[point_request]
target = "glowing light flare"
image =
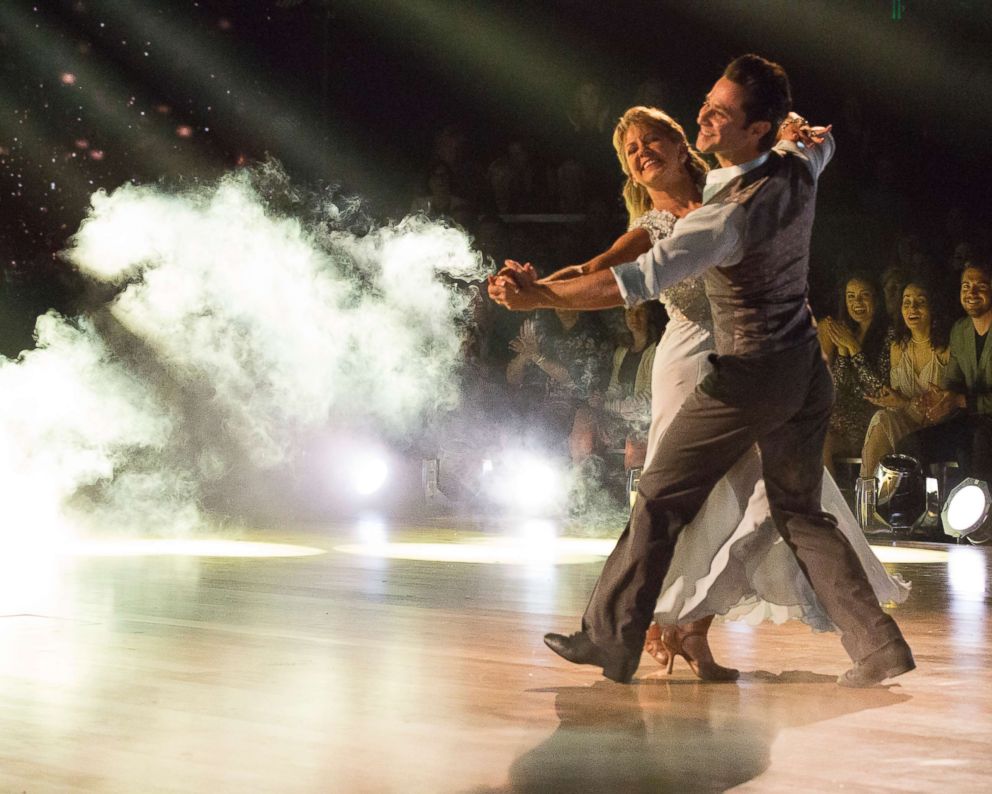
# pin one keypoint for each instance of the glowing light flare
(368, 473)
(67, 78)
(489, 551)
(909, 555)
(966, 571)
(528, 482)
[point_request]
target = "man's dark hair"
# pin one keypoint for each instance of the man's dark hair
(983, 265)
(768, 96)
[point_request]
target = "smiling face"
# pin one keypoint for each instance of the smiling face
(916, 309)
(976, 292)
(653, 158)
(859, 297)
(723, 127)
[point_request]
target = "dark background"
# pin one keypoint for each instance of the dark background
(354, 92)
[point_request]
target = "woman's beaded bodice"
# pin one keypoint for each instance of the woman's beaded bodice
(687, 298)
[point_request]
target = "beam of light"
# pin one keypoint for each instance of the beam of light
(515, 60)
(30, 141)
(238, 331)
(38, 44)
(862, 46)
(276, 114)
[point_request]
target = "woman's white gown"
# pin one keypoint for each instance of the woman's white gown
(730, 560)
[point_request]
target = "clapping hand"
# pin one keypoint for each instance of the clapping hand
(526, 342)
(841, 336)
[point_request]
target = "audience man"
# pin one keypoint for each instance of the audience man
(962, 411)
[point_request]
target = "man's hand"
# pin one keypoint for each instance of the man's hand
(941, 404)
(796, 128)
(516, 287)
(522, 275)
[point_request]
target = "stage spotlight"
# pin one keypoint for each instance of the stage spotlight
(901, 492)
(527, 482)
(368, 473)
(966, 511)
(535, 484)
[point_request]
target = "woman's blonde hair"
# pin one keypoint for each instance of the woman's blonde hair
(636, 196)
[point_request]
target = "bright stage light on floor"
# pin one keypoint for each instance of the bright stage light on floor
(528, 483)
(535, 542)
(909, 555)
(369, 473)
(158, 547)
(185, 547)
(966, 571)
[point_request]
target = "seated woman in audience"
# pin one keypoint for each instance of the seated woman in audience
(621, 417)
(561, 359)
(918, 358)
(856, 346)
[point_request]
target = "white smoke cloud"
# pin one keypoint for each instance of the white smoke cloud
(69, 416)
(235, 329)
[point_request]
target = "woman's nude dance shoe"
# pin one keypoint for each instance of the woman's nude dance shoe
(689, 642)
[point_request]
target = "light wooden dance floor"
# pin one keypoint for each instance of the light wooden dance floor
(153, 668)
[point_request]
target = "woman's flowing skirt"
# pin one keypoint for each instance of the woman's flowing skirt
(730, 559)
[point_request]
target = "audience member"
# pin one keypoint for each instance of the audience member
(514, 181)
(963, 410)
(621, 417)
(918, 357)
(561, 359)
(894, 278)
(857, 347)
(439, 200)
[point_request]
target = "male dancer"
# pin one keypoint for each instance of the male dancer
(769, 386)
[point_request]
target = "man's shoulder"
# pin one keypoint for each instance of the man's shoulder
(960, 329)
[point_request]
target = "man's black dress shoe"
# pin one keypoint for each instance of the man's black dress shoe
(577, 648)
(892, 659)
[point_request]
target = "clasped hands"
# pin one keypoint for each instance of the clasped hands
(515, 287)
(840, 335)
(796, 128)
(931, 406)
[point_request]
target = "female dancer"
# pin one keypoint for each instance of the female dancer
(730, 560)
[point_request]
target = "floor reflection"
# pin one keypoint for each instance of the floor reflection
(678, 735)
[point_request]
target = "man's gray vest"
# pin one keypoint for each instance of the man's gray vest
(759, 305)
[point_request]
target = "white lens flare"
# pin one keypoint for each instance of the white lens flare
(368, 474)
(528, 483)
